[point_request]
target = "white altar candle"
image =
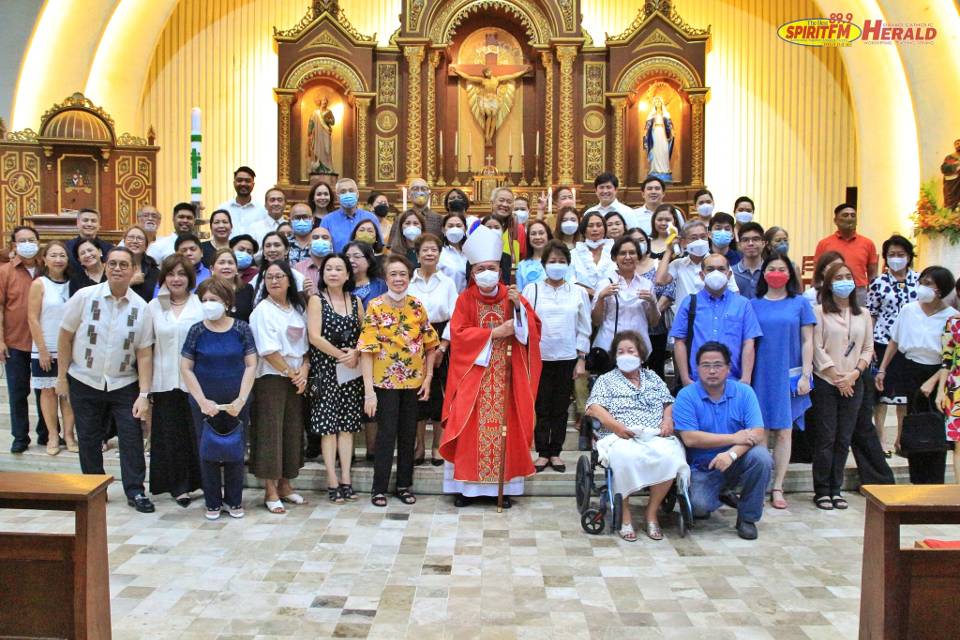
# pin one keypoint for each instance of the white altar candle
(538, 142)
(510, 145)
(403, 190)
(456, 143)
(549, 199)
(195, 139)
(574, 195)
(522, 146)
(441, 143)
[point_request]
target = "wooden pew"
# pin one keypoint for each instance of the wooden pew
(56, 585)
(908, 593)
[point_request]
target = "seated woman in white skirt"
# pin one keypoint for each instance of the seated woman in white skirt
(634, 408)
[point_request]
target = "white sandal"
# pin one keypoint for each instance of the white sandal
(293, 498)
(627, 533)
(274, 506)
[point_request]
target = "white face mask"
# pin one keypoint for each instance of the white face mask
(715, 280)
(698, 248)
(897, 263)
(27, 250)
(454, 235)
(213, 310)
(593, 244)
(627, 362)
(397, 297)
(487, 279)
(411, 233)
(743, 217)
(522, 216)
(569, 227)
(705, 210)
(925, 294)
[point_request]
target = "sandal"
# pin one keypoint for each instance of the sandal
(378, 500)
(777, 503)
(72, 446)
(53, 448)
(824, 502)
(540, 467)
(335, 496)
(274, 506)
(627, 533)
(839, 502)
(405, 496)
(346, 490)
(654, 532)
(293, 498)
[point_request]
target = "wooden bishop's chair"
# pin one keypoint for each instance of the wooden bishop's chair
(807, 266)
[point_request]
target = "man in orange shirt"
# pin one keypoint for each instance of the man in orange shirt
(16, 342)
(859, 253)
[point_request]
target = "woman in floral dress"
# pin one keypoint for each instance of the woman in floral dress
(948, 397)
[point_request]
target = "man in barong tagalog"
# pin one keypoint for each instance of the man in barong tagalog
(486, 388)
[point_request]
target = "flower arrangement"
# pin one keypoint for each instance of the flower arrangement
(931, 219)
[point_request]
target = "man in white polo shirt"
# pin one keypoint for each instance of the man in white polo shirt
(685, 271)
(244, 212)
(276, 204)
(106, 357)
(606, 185)
(184, 221)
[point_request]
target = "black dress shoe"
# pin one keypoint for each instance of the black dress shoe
(184, 501)
(141, 503)
(436, 461)
(730, 499)
(18, 447)
(419, 461)
(369, 457)
(746, 530)
(311, 452)
(43, 440)
(461, 500)
(507, 503)
(559, 468)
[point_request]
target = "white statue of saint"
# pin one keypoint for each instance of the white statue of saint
(658, 140)
(320, 138)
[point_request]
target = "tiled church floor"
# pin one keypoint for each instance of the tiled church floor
(432, 571)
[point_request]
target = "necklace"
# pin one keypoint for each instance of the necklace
(284, 308)
(178, 304)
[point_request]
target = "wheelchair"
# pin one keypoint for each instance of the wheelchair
(594, 516)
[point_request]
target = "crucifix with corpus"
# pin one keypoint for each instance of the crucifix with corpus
(490, 89)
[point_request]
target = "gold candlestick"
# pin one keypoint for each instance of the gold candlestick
(536, 170)
(523, 171)
(508, 181)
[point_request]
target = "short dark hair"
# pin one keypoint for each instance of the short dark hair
(222, 212)
(89, 210)
(23, 227)
(459, 216)
(586, 218)
(373, 196)
(604, 178)
(632, 336)
(171, 262)
(554, 246)
(721, 218)
(460, 194)
(793, 287)
(185, 237)
(743, 199)
(245, 236)
(843, 205)
(115, 249)
(349, 285)
(714, 346)
(649, 179)
(611, 214)
(942, 278)
(185, 206)
(618, 244)
(424, 238)
(898, 241)
(751, 226)
(702, 192)
(82, 241)
(396, 257)
(218, 286)
(373, 265)
(244, 169)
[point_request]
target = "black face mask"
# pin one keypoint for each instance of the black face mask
(457, 205)
(381, 210)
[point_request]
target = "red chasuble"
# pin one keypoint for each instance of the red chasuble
(480, 399)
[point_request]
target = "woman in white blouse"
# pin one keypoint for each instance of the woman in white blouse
(626, 300)
(591, 258)
(275, 247)
(174, 461)
(453, 263)
(280, 332)
(564, 311)
(438, 295)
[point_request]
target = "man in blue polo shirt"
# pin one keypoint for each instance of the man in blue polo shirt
(720, 424)
(720, 315)
(343, 221)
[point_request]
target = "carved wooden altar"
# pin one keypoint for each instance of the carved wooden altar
(75, 160)
(403, 99)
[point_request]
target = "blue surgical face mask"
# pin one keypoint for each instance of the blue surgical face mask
(782, 248)
(843, 288)
(244, 259)
(722, 238)
(320, 247)
(348, 200)
(556, 270)
(302, 227)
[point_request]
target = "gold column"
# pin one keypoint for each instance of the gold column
(547, 58)
(697, 98)
(432, 117)
(619, 104)
(285, 98)
(566, 54)
(414, 55)
(363, 108)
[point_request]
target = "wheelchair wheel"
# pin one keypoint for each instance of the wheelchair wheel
(592, 521)
(686, 512)
(669, 500)
(617, 520)
(584, 483)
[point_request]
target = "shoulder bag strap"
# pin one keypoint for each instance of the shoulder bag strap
(691, 315)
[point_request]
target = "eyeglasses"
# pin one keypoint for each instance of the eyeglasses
(712, 366)
(120, 266)
(277, 277)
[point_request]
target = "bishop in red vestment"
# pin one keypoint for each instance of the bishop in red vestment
(486, 388)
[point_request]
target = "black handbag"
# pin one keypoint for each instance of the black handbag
(598, 360)
(924, 429)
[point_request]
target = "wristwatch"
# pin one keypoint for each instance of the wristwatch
(733, 454)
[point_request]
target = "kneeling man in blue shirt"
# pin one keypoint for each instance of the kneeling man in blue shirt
(720, 424)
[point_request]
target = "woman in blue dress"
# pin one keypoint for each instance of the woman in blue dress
(784, 360)
(529, 269)
(368, 281)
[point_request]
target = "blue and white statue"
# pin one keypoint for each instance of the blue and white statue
(658, 140)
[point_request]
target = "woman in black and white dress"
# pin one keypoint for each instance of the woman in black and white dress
(334, 318)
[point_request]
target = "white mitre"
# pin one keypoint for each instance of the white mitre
(483, 245)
